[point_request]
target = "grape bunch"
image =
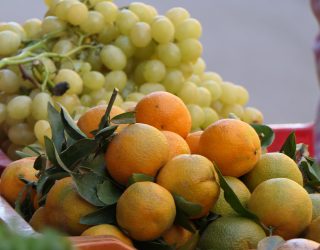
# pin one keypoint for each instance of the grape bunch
(83, 49)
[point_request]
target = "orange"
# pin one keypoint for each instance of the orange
(90, 120)
(10, 184)
(232, 144)
(145, 211)
(193, 141)
(164, 111)
(193, 178)
(177, 236)
(106, 229)
(177, 145)
(138, 148)
(65, 207)
(313, 230)
(38, 220)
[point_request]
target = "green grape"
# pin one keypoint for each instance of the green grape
(49, 65)
(252, 115)
(126, 45)
(113, 58)
(217, 106)
(32, 28)
(41, 129)
(98, 95)
(212, 76)
(94, 23)
(130, 67)
(129, 88)
(162, 30)
(19, 107)
(243, 95)
(126, 19)
(143, 11)
(95, 2)
(10, 42)
(191, 49)
(214, 88)
(68, 101)
(177, 15)
(147, 52)
(115, 79)
(39, 106)
(34, 92)
(187, 69)
(79, 66)
(109, 33)
(21, 134)
(127, 106)
(14, 27)
(210, 115)
(197, 115)
(9, 81)
(148, 88)
(109, 11)
(195, 79)
(118, 101)
(61, 9)
(11, 121)
(189, 28)
(173, 81)
(205, 97)
(228, 109)
(169, 54)
(199, 67)
(72, 78)
(138, 75)
(86, 100)
(77, 13)
(51, 3)
(229, 93)
(63, 46)
(12, 154)
(140, 34)
(3, 113)
(153, 11)
(94, 60)
(189, 93)
(134, 97)
(93, 80)
(154, 71)
(52, 24)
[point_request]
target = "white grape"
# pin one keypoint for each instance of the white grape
(162, 30)
(73, 79)
(19, 107)
(115, 79)
(93, 80)
(140, 34)
(113, 57)
(9, 43)
(39, 106)
(9, 81)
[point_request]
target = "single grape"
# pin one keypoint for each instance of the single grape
(126, 19)
(98, 95)
(126, 45)
(41, 129)
(52, 24)
(113, 57)
(154, 71)
(243, 95)
(189, 93)
(229, 93)
(128, 106)
(69, 102)
(148, 88)
(235, 109)
(32, 28)
(21, 134)
(138, 75)
(177, 15)
(214, 88)
(3, 113)
(109, 11)
(11, 152)
(252, 115)
(63, 46)
(108, 34)
(51, 3)
(191, 49)
(143, 11)
(169, 54)
(212, 76)
(197, 115)
(210, 115)
(14, 27)
(10, 42)
(94, 23)
(147, 52)
(72, 78)
(77, 13)
(162, 30)
(134, 97)
(199, 67)
(19, 107)
(173, 81)
(86, 100)
(115, 79)
(189, 28)
(9, 80)
(140, 34)
(187, 69)
(39, 106)
(61, 9)
(205, 97)
(93, 80)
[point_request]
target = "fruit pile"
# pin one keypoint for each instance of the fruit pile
(146, 179)
(81, 50)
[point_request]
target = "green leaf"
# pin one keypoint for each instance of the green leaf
(105, 132)
(191, 243)
(189, 208)
(96, 164)
(289, 146)
(40, 163)
(50, 150)
(105, 119)
(183, 220)
(108, 193)
(139, 178)
(87, 184)
(57, 127)
(158, 244)
(23, 154)
(270, 243)
(233, 200)
(70, 126)
(106, 215)
(265, 133)
(34, 148)
(124, 118)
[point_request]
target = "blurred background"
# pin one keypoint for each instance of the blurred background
(265, 45)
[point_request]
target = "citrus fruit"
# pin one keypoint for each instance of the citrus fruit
(193, 178)
(38, 219)
(138, 148)
(90, 120)
(315, 199)
(232, 144)
(283, 205)
(177, 145)
(145, 211)
(106, 229)
(164, 111)
(176, 236)
(11, 185)
(193, 141)
(65, 207)
(273, 165)
(313, 230)
(231, 233)
(222, 207)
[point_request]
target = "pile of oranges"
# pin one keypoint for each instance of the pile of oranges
(181, 165)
